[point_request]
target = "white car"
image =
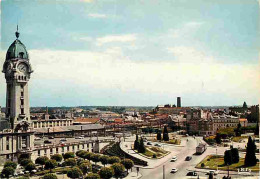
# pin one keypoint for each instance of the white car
(214, 172)
(79, 137)
(174, 158)
(174, 170)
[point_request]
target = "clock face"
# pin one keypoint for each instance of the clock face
(22, 67)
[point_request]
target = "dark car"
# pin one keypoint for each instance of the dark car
(149, 143)
(47, 142)
(50, 137)
(191, 174)
(188, 158)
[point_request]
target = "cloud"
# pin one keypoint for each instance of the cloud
(87, 1)
(116, 38)
(93, 15)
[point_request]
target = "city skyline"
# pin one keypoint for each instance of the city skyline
(136, 54)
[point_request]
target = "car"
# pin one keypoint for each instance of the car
(145, 140)
(50, 137)
(174, 170)
(20, 173)
(79, 137)
(174, 158)
(212, 171)
(63, 140)
(33, 171)
(192, 173)
(157, 145)
(37, 138)
(188, 158)
(47, 142)
(149, 143)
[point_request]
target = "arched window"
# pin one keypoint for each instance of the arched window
(21, 55)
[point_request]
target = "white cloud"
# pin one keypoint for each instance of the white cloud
(116, 38)
(94, 15)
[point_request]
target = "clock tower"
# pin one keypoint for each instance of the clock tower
(17, 69)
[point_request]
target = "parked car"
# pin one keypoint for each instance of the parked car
(192, 173)
(174, 158)
(79, 137)
(188, 158)
(214, 172)
(20, 173)
(149, 143)
(50, 137)
(63, 140)
(157, 145)
(174, 170)
(37, 138)
(47, 142)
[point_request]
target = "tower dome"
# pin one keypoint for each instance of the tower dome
(17, 49)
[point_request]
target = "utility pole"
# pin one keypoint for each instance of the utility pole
(163, 171)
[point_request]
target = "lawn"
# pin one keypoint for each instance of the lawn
(171, 141)
(157, 151)
(237, 139)
(213, 161)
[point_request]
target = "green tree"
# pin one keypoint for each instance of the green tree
(128, 164)
(95, 158)
(141, 148)
(106, 172)
(238, 130)
(10, 164)
(92, 176)
(50, 176)
(228, 157)
(85, 167)
(30, 166)
(50, 164)
(250, 159)
(165, 134)
(159, 136)
(57, 157)
(69, 155)
(257, 129)
(244, 105)
(70, 162)
(114, 159)
(25, 162)
(118, 169)
(136, 143)
(235, 155)
(41, 160)
(23, 177)
(87, 155)
(74, 172)
(218, 138)
(104, 159)
(7, 171)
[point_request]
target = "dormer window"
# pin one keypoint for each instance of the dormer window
(21, 55)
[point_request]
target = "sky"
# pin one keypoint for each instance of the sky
(136, 53)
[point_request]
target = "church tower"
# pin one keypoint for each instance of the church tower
(17, 69)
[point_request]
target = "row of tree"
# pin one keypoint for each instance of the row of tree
(139, 145)
(165, 134)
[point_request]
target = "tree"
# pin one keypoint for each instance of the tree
(74, 172)
(218, 138)
(159, 136)
(30, 166)
(70, 162)
(104, 159)
(210, 175)
(95, 158)
(41, 160)
(57, 157)
(228, 157)
(114, 159)
(238, 130)
(106, 172)
(10, 164)
(250, 159)
(136, 143)
(68, 155)
(85, 167)
(141, 148)
(165, 134)
(7, 171)
(25, 162)
(50, 164)
(244, 105)
(50, 176)
(118, 169)
(92, 176)
(257, 129)
(87, 155)
(235, 155)
(128, 164)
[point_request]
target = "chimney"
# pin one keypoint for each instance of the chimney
(178, 101)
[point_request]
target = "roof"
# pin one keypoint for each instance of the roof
(17, 50)
(87, 120)
(242, 120)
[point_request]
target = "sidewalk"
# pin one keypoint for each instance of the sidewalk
(133, 175)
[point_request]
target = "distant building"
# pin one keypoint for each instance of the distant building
(178, 101)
